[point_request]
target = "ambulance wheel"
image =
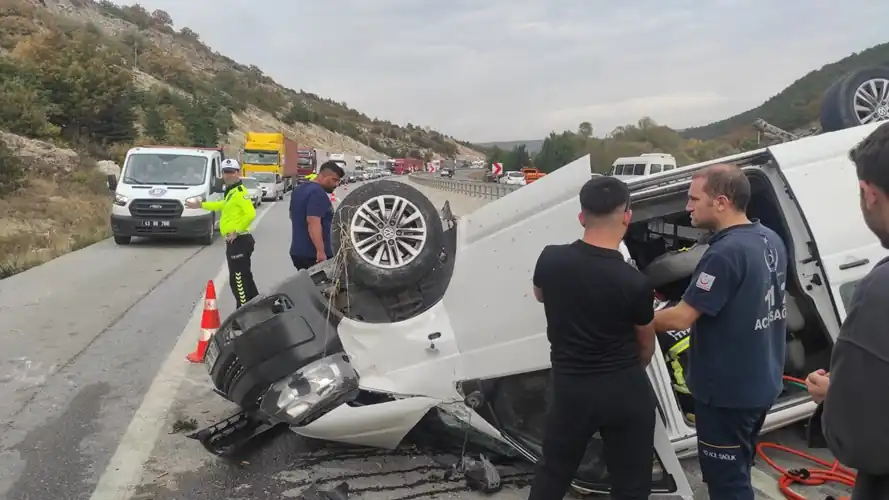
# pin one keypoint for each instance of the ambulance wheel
(390, 235)
(122, 240)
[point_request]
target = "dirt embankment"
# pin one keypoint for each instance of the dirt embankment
(63, 207)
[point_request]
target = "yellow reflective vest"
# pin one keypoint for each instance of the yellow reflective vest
(237, 210)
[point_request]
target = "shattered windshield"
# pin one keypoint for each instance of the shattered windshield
(263, 177)
(260, 158)
(165, 169)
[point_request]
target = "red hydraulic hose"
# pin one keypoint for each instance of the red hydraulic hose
(827, 472)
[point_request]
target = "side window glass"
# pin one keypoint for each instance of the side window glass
(655, 169)
(669, 167)
(639, 169)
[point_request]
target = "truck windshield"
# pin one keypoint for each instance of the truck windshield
(263, 177)
(260, 158)
(166, 169)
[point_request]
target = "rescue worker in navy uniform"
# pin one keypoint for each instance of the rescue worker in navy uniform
(599, 324)
(854, 419)
(238, 214)
(735, 307)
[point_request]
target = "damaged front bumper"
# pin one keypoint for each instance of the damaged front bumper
(279, 357)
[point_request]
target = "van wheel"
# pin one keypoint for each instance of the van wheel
(858, 98)
(207, 239)
(390, 235)
(122, 240)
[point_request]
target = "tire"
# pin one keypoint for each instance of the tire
(122, 240)
(358, 250)
(207, 239)
(838, 108)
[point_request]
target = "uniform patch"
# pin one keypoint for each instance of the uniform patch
(705, 281)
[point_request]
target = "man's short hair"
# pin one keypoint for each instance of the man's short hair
(871, 158)
(729, 181)
(602, 196)
(333, 167)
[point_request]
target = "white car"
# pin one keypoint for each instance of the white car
(513, 178)
(271, 185)
(408, 328)
(253, 190)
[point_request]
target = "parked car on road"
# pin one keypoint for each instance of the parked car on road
(271, 185)
(253, 190)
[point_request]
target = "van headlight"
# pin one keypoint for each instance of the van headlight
(195, 199)
(120, 200)
(312, 391)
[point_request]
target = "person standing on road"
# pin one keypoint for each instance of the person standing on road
(735, 306)
(599, 313)
(238, 214)
(311, 217)
(854, 420)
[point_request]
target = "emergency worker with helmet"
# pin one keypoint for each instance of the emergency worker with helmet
(238, 214)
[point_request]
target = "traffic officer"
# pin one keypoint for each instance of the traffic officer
(238, 214)
(735, 306)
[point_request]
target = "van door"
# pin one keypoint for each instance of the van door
(826, 190)
(214, 174)
(500, 329)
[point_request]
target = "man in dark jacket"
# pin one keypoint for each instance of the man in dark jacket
(855, 417)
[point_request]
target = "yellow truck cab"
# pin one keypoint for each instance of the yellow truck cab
(270, 152)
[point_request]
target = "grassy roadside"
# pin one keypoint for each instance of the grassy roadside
(51, 217)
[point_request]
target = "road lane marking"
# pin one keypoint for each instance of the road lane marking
(123, 473)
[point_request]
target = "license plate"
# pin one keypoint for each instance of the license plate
(155, 223)
(211, 355)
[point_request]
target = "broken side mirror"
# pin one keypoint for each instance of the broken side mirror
(112, 182)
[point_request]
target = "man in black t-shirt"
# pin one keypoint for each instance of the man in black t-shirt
(599, 313)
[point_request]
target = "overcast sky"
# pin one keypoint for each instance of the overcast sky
(486, 70)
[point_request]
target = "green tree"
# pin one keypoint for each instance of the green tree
(154, 124)
(517, 158)
(557, 151)
(88, 83)
(585, 129)
(12, 175)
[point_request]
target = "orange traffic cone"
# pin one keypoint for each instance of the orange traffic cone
(209, 324)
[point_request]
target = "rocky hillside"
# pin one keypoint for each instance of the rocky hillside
(81, 82)
(179, 59)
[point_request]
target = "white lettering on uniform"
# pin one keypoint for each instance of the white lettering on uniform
(774, 315)
(718, 455)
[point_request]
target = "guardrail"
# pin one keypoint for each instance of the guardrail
(487, 190)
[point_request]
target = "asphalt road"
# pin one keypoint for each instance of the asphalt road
(93, 385)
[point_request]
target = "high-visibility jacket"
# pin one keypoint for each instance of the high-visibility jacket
(237, 210)
(675, 345)
(311, 176)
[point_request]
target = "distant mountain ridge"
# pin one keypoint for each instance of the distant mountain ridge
(532, 146)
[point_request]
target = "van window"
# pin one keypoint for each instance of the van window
(215, 167)
(655, 169)
(639, 169)
(846, 292)
(669, 167)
